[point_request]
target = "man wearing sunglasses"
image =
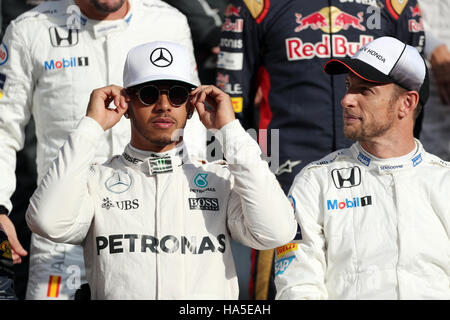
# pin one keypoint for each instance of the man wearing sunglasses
(154, 222)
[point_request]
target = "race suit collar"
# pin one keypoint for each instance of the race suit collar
(101, 28)
(390, 165)
(155, 162)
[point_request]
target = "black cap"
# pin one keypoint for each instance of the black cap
(386, 60)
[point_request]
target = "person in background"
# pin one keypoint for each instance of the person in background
(436, 123)
(26, 174)
(7, 290)
(205, 18)
(374, 218)
(274, 51)
(50, 58)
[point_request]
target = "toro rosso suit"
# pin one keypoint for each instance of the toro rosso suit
(161, 228)
(369, 229)
(48, 70)
(282, 46)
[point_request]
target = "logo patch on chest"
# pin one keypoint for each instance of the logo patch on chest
(211, 204)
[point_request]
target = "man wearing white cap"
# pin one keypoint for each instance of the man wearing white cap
(51, 58)
(374, 218)
(154, 223)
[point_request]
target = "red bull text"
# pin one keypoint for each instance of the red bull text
(337, 46)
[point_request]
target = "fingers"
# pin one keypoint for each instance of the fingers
(222, 108)
(209, 90)
(211, 94)
(114, 94)
(17, 255)
(16, 248)
(99, 105)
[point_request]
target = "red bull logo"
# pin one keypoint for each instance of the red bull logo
(236, 26)
(415, 26)
(415, 11)
(223, 78)
(329, 19)
(345, 20)
(232, 11)
(314, 21)
(336, 46)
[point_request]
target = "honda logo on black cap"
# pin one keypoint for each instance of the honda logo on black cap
(346, 177)
(63, 37)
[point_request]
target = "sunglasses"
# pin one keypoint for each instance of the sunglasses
(148, 95)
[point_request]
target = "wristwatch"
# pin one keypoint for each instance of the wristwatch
(3, 210)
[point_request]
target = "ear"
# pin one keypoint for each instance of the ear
(129, 111)
(409, 102)
(190, 109)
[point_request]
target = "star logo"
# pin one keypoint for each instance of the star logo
(287, 167)
(118, 182)
(161, 57)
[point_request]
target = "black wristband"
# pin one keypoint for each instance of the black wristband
(3, 210)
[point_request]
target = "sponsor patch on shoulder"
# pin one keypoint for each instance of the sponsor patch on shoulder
(3, 54)
(417, 160)
(238, 103)
(258, 8)
(282, 264)
(364, 159)
(396, 7)
(283, 250)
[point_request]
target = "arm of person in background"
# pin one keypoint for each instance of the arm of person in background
(439, 56)
(61, 208)
(6, 269)
(16, 248)
(436, 51)
(16, 86)
(259, 214)
(300, 266)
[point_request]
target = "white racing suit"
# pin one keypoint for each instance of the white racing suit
(48, 71)
(369, 229)
(153, 230)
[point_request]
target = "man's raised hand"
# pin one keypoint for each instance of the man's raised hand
(221, 111)
(99, 102)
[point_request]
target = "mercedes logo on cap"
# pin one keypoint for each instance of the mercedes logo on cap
(161, 57)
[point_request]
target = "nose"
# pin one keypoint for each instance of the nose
(348, 101)
(163, 103)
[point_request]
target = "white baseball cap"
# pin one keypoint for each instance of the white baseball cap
(386, 60)
(155, 61)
